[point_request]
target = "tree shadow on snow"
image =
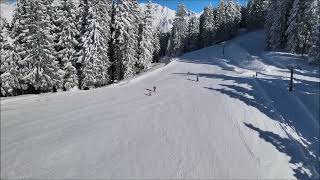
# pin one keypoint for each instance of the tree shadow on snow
(269, 94)
(299, 157)
(298, 109)
(281, 60)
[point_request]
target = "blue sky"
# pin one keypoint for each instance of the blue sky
(194, 5)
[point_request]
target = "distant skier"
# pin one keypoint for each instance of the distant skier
(154, 88)
(188, 73)
(197, 78)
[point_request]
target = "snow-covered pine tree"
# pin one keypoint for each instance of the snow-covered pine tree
(290, 24)
(81, 19)
(156, 45)
(227, 20)
(244, 16)
(314, 51)
(19, 34)
(233, 16)
(9, 74)
(124, 38)
(164, 41)
(66, 42)
(178, 33)
(269, 20)
(276, 23)
(43, 72)
(256, 13)
(222, 33)
(21, 18)
(95, 39)
(52, 13)
(4, 35)
(207, 27)
(192, 34)
(132, 47)
(51, 10)
(146, 39)
(111, 51)
(298, 32)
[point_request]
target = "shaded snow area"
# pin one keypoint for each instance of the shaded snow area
(229, 124)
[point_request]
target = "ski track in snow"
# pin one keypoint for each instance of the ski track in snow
(227, 125)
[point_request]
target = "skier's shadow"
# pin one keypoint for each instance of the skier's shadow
(191, 80)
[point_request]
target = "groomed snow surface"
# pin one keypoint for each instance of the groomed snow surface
(229, 124)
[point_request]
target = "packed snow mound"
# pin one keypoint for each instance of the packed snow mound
(210, 117)
(162, 16)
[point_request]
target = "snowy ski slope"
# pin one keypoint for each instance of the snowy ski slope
(228, 125)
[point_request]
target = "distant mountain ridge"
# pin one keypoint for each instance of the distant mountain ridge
(162, 15)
